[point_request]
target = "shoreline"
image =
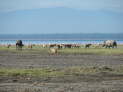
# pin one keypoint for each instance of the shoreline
(56, 41)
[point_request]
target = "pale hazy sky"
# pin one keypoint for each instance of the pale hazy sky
(61, 16)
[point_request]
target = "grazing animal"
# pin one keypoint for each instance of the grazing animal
(68, 45)
(30, 46)
(98, 45)
(76, 45)
(52, 45)
(19, 45)
(87, 45)
(44, 45)
(59, 46)
(8, 45)
(110, 44)
(53, 51)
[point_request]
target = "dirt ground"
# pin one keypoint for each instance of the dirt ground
(101, 82)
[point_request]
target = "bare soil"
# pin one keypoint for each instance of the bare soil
(100, 82)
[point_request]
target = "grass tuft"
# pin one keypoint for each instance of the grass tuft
(44, 72)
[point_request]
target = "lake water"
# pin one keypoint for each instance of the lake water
(60, 38)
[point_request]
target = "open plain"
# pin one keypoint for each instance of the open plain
(39, 71)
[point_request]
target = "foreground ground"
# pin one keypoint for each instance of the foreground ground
(33, 71)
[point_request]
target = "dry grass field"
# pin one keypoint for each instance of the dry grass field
(71, 70)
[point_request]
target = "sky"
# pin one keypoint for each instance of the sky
(61, 16)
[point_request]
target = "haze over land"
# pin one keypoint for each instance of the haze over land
(61, 16)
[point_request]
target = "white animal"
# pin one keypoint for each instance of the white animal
(53, 50)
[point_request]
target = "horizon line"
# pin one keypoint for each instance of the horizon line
(54, 33)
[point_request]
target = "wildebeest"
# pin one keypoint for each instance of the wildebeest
(110, 44)
(87, 45)
(19, 45)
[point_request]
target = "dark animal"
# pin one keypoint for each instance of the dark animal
(52, 45)
(68, 45)
(87, 45)
(9, 45)
(19, 45)
(110, 44)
